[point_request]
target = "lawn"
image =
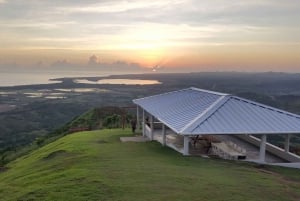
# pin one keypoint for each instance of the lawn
(97, 166)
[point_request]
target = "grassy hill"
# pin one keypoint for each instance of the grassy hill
(95, 165)
(97, 118)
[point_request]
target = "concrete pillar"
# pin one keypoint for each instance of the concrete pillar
(262, 148)
(143, 123)
(163, 132)
(287, 143)
(152, 127)
(138, 118)
(186, 143)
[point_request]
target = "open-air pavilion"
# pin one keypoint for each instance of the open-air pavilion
(200, 122)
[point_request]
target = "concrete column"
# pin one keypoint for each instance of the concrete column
(143, 123)
(262, 148)
(138, 118)
(186, 143)
(152, 128)
(163, 132)
(287, 143)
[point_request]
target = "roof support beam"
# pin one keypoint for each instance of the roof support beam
(163, 131)
(138, 118)
(152, 127)
(143, 123)
(186, 143)
(262, 148)
(287, 143)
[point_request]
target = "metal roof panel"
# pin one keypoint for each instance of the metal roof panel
(178, 108)
(195, 111)
(240, 116)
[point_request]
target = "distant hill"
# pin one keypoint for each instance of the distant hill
(95, 165)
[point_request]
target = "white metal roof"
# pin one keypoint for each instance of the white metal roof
(194, 111)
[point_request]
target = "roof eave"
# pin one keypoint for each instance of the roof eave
(162, 121)
(242, 133)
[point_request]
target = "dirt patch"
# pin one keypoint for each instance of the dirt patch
(56, 154)
(267, 172)
(134, 139)
(101, 142)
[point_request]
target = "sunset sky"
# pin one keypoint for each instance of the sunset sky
(184, 35)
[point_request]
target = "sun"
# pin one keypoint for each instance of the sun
(147, 43)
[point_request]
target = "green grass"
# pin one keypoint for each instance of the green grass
(97, 166)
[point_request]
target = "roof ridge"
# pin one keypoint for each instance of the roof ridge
(170, 92)
(266, 106)
(189, 88)
(209, 91)
(207, 112)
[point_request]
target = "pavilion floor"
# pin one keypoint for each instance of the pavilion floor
(176, 142)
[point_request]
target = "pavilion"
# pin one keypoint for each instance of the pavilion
(193, 112)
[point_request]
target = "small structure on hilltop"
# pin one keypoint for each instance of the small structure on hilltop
(195, 121)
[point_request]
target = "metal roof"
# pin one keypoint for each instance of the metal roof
(194, 111)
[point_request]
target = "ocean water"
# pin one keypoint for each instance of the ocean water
(30, 78)
(118, 81)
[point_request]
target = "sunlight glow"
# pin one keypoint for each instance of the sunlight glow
(213, 35)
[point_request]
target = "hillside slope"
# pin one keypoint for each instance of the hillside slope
(97, 118)
(95, 165)
(93, 119)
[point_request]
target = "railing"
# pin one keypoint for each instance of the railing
(147, 129)
(277, 151)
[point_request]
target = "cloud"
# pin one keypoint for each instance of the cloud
(146, 27)
(193, 12)
(93, 64)
(32, 24)
(61, 63)
(116, 16)
(93, 60)
(119, 65)
(121, 6)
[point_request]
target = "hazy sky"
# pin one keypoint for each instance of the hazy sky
(204, 35)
